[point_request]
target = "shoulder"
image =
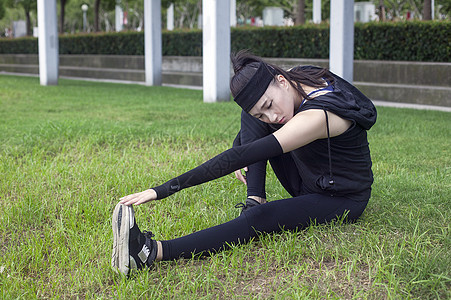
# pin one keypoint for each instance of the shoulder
(321, 100)
(308, 126)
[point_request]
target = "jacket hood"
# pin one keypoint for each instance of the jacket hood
(347, 102)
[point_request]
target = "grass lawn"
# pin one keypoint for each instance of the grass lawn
(68, 152)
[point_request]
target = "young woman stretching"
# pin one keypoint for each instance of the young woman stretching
(309, 123)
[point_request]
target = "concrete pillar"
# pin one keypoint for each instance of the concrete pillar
(48, 42)
(316, 11)
(118, 16)
(153, 56)
(170, 17)
(341, 45)
(233, 13)
(216, 50)
(432, 9)
(199, 21)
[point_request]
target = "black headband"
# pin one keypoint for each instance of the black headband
(255, 88)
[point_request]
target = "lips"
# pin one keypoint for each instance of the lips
(281, 121)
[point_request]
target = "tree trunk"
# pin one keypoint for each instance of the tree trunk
(300, 14)
(62, 9)
(96, 15)
(427, 10)
(27, 15)
(381, 11)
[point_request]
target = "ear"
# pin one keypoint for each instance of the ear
(282, 81)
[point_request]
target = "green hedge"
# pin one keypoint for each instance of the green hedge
(412, 41)
(408, 41)
(308, 41)
(122, 43)
(26, 45)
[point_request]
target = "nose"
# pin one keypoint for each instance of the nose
(272, 117)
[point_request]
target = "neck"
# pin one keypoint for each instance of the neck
(297, 98)
(308, 89)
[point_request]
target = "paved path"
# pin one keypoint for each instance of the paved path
(411, 105)
(376, 102)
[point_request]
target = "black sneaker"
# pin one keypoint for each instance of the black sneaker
(249, 204)
(132, 249)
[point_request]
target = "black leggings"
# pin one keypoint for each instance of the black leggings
(283, 166)
(287, 214)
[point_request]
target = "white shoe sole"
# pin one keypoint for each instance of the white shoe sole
(122, 221)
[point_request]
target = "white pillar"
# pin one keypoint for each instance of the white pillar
(432, 9)
(316, 11)
(48, 42)
(152, 42)
(216, 50)
(119, 16)
(341, 47)
(233, 13)
(170, 17)
(199, 21)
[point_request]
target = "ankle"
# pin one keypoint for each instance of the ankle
(258, 199)
(159, 252)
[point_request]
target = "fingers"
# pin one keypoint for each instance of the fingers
(132, 201)
(139, 198)
(240, 176)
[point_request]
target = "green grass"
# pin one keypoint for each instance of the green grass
(68, 152)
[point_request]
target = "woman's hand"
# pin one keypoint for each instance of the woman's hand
(139, 198)
(240, 176)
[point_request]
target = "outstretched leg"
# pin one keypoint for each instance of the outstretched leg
(133, 249)
(287, 214)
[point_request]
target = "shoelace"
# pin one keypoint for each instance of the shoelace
(240, 205)
(148, 234)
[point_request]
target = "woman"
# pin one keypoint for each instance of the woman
(309, 123)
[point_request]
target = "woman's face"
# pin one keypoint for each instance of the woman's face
(277, 104)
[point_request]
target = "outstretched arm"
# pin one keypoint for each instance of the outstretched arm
(220, 165)
(302, 129)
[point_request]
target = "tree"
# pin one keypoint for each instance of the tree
(62, 14)
(135, 11)
(300, 13)
(381, 11)
(427, 11)
(294, 9)
(2, 9)
(444, 8)
(96, 15)
(247, 9)
(186, 12)
(107, 4)
(251, 8)
(28, 6)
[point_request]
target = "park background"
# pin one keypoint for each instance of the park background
(68, 152)
(402, 58)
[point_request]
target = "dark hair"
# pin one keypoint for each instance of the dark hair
(245, 65)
